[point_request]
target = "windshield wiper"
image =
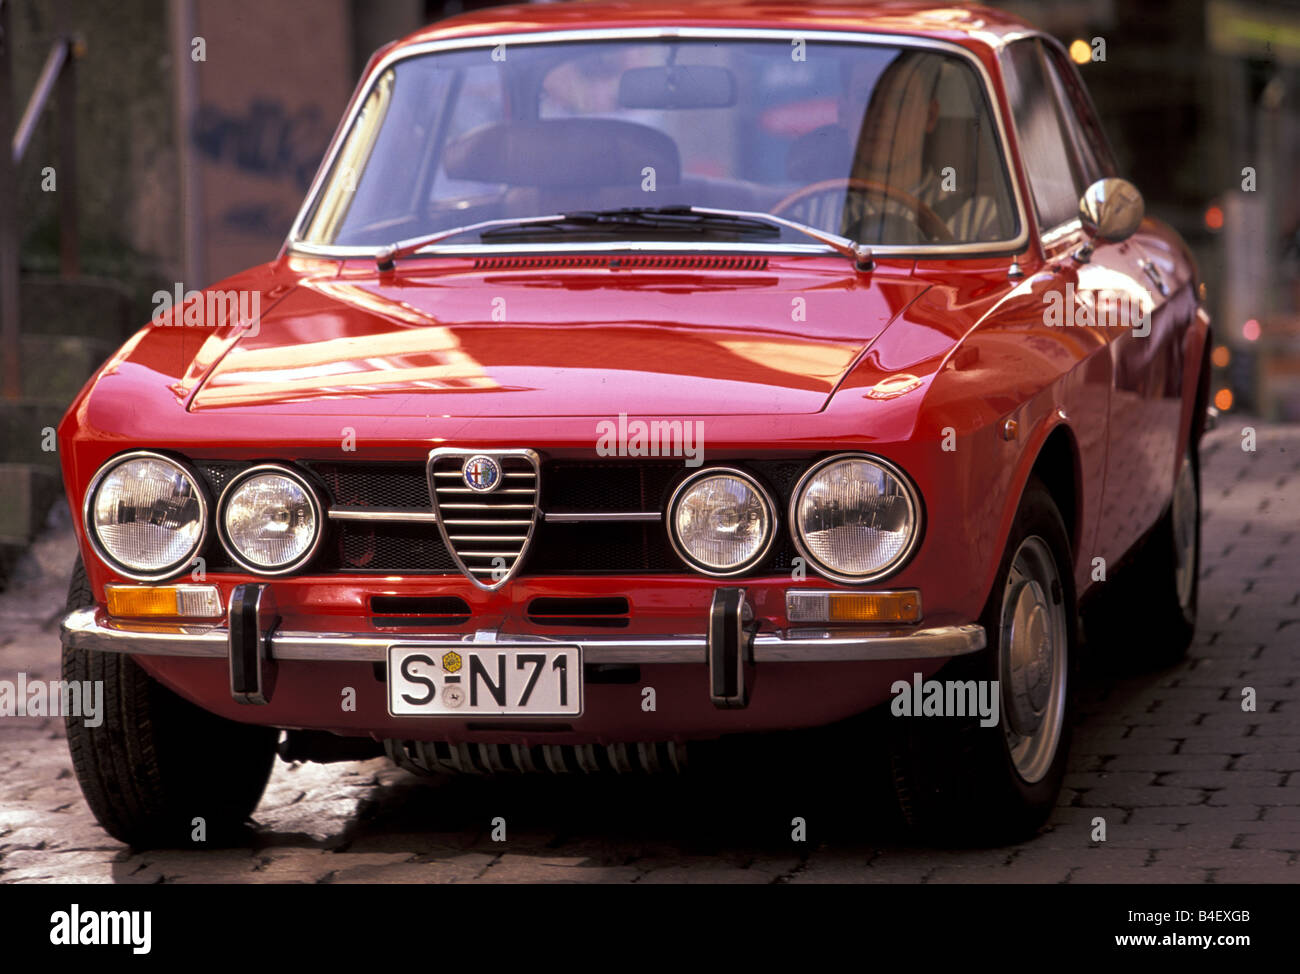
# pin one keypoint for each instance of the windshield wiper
(859, 253)
(689, 217)
(385, 256)
(661, 218)
(670, 219)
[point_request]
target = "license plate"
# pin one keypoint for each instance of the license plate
(473, 680)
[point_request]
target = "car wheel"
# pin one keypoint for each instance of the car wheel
(156, 762)
(953, 777)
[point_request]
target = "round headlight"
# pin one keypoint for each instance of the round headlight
(721, 521)
(270, 520)
(146, 515)
(855, 517)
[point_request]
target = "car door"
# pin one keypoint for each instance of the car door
(1145, 337)
(1111, 292)
(1063, 286)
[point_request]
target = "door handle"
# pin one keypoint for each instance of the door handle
(1153, 272)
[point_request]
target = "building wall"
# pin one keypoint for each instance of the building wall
(276, 79)
(127, 175)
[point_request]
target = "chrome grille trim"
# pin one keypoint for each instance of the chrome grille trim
(467, 490)
(605, 516)
(484, 507)
(380, 514)
(499, 520)
(517, 474)
(480, 522)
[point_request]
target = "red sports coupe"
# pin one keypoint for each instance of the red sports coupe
(638, 375)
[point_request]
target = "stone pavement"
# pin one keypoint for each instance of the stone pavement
(1192, 787)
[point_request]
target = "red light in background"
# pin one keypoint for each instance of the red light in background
(1220, 357)
(1214, 218)
(1250, 330)
(1223, 400)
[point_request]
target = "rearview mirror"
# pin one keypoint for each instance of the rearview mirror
(677, 86)
(1111, 210)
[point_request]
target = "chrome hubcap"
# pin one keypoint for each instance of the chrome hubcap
(1184, 527)
(1032, 661)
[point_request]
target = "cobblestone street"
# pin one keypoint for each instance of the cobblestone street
(1191, 787)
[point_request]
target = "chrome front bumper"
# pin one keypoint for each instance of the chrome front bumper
(93, 629)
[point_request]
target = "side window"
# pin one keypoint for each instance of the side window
(1050, 165)
(1090, 142)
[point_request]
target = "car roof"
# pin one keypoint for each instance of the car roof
(971, 25)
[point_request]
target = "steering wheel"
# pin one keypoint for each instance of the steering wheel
(929, 221)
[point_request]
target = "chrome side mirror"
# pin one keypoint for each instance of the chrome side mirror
(1111, 210)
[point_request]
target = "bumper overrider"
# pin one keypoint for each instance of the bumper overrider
(251, 640)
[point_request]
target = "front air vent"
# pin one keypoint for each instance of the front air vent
(690, 263)
(608, 613)
(395, 611)
(540, 263)
(672, 262)
(486, 504)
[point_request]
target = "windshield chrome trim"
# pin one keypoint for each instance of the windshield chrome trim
(296, 245)
(593, 247)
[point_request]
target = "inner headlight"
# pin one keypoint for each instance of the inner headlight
(855, 517)
(270, 520)
(146, 515)
(721, 521)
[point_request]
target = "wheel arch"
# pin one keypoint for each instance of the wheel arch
(1201, 399)
(1059, 467)
(1053, 457)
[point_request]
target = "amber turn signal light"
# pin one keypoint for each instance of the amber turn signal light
(804, 605)
(173, 601)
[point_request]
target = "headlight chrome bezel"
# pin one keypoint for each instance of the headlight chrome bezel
(313, 496)
(764, 496)
(915, 509)
(88, 516)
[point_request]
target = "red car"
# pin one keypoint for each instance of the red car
(717, 369)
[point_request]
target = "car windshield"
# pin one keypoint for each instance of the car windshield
(887, 145)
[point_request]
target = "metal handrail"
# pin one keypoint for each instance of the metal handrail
(58, 74)
(61, 52)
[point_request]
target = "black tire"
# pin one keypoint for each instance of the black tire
(157, 762)
(955, 780)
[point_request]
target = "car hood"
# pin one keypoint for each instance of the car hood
(558, 342)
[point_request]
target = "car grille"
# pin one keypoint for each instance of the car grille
(487, 532)
(394, 486)
(558, 547)
(381, 547)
